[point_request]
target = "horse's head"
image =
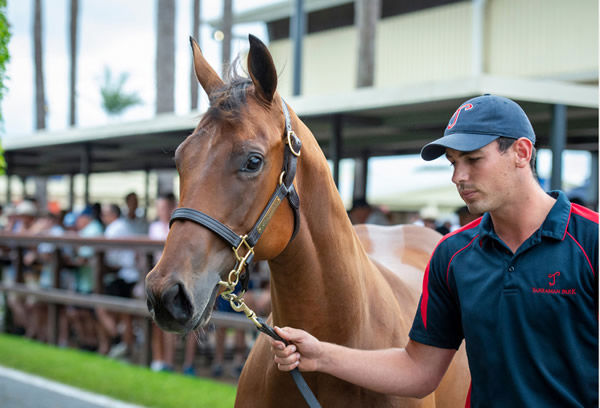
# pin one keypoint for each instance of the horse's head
(229, 168)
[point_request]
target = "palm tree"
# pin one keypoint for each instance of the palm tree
(165, 56)
(40, 97)
(74, 16)
(114, 99)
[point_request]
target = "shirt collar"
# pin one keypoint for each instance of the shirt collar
(554, 226)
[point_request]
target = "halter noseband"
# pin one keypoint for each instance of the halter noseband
(284, 189)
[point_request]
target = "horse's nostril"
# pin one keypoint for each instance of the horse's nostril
(149, 305)
(177, 302)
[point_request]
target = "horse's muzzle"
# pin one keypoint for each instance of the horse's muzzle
(173, 309)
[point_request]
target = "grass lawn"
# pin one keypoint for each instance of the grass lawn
(125, 382)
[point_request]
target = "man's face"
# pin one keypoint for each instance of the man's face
(483, 177)
(132, 203)
(82, 222)
(107, 215)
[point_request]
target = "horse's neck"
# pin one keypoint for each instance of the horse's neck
(319, 280)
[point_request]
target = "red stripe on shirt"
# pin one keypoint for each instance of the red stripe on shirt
(584, 253)
(584, 212)
(468, 401)
(425, 294)
(451, 258)
(581, 211)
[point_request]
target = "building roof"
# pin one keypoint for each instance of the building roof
(386, 121)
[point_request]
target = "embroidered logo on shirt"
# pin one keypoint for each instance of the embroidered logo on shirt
(553, 277)
(552, 290)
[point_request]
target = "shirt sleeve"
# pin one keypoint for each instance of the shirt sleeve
(437, 320)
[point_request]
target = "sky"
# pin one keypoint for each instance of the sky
(121, 35)
(112, 33)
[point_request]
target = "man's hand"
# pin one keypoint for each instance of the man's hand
(303, 351)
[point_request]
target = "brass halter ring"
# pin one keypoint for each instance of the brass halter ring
(289, 142)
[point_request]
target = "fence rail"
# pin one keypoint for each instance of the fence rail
(15, 245)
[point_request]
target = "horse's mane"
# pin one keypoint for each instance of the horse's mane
(227, 102)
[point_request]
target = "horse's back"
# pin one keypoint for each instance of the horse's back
(401, 253)
(402, 249)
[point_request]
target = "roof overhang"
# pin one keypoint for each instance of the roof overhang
(375, 121)
(277, 11)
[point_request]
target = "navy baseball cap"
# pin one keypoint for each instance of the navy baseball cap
(478, 122)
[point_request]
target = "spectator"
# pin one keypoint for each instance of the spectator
(122, 277)
(163, 343)
(138, 225)
(87, 227)
(20, 307)
(364, 213)
(428, 216)
(464, 216)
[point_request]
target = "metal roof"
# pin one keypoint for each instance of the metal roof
(376, 121)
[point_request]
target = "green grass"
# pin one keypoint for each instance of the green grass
(115, 379)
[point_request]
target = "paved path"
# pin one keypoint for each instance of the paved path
(21, 390)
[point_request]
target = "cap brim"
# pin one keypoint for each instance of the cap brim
(463, 142)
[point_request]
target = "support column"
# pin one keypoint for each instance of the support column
(558, 137)
(8, 188)
(71, 192)
(85, 170)
(41, 192)
(361, 173)
(23, 186)
(335, 148)
(297, 30)
(227, 35)
(477, 37)
(147, 190)
(164, 182)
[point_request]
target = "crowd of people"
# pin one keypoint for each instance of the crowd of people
(95, 328)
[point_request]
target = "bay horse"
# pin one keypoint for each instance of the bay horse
(357, 287)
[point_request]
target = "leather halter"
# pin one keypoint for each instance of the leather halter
(285, 188)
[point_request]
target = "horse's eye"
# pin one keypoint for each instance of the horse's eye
(253, 163)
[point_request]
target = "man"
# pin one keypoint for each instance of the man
(124, 263)
(518, 284)
(138, 225)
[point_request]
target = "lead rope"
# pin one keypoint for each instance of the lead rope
(237, 303)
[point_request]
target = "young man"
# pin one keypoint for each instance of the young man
(519, 284)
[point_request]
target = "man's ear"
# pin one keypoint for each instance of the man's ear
(523, 149)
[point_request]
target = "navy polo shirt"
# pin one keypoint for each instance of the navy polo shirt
(529, 319)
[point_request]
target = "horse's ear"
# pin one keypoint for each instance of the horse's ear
(207, 76)
(262, 70)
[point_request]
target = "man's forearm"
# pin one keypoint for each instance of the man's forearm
(406, 372)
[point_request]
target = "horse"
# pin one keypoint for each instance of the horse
(357, 287)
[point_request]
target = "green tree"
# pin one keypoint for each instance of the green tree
(114, 98)
(4, 58)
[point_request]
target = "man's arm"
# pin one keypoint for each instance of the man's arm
(414, 371)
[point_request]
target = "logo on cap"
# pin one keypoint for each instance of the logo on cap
(454, 118)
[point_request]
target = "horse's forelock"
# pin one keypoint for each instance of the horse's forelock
(227, 102)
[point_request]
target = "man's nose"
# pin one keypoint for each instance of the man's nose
(459, 174)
